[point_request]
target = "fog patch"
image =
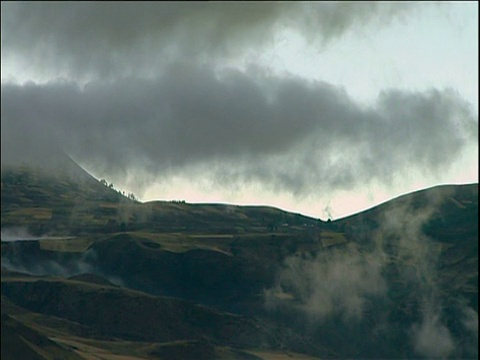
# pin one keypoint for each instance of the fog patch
(470, 320)
(397, 265)
(337, 282)
(17, 233)
(432, 339)
(65, 266)
(416, 257)
(21, 233)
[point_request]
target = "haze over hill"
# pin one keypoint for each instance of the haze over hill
(323, 109)
(399, 280)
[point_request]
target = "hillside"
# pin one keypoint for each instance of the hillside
(71, 202)
(97, 273)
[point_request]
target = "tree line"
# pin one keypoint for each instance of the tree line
(129, 196)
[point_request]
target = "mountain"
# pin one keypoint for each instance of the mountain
(88, 272)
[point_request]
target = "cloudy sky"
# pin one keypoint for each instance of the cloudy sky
(322, 108)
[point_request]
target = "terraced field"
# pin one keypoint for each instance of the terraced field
(88, 273)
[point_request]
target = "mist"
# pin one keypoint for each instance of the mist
(17, 234)
(336, 282)
(17, 258)
(360, 277)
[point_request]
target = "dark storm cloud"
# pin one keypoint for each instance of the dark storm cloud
(108, 39)
(148, 114)
(240, 127)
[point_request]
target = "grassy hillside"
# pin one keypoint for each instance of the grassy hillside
(74, 203)
(22, 342)
(112, 277)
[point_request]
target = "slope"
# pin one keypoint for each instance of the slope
(378, 284)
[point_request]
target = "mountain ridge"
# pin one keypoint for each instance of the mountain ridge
(358, 287)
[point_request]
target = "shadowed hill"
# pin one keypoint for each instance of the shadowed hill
(115, 313)
(22, 342)
(366, 286)
(69, 201)
(57, 199)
